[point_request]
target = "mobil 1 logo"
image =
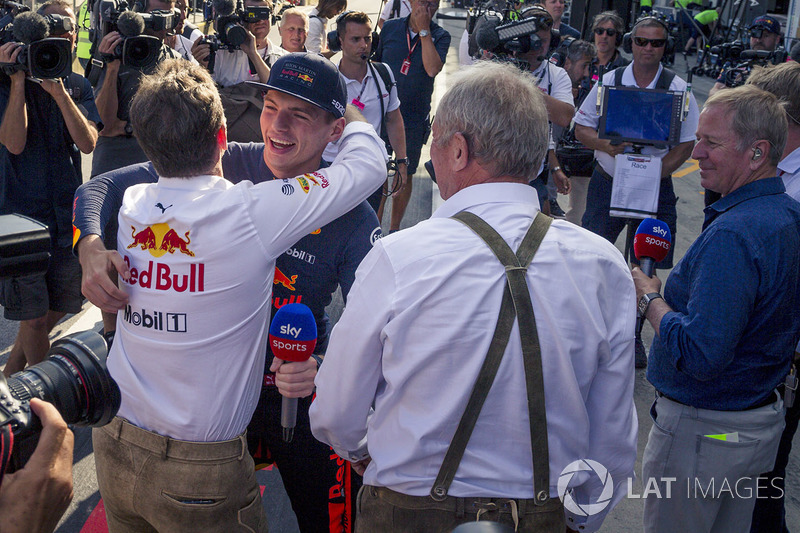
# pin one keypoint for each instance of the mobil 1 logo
(156, 320)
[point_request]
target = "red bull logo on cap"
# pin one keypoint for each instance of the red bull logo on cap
(160, 239)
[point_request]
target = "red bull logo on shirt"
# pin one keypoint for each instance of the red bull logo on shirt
(160, 239)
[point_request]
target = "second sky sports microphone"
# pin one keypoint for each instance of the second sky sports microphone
(292, 337)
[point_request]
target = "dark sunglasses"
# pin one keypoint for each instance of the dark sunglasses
(655, 43)
(610, 31)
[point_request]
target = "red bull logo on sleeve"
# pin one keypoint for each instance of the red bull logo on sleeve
(160, 239)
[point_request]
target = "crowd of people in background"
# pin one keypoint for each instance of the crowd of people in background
(227, 184)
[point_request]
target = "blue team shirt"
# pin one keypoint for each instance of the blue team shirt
(41, 181)
(736, 301)
(415, 88)
(309, 272)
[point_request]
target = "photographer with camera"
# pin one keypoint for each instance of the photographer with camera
(33, 499)
(765, 35)
(46, 124)
(116, 84)
(317, 40)
(251, 60)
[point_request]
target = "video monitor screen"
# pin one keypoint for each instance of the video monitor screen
(641, 116)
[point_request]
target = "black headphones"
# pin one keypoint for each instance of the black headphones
(544, 19)
(627, 39)
(335, 44)
(559, 57)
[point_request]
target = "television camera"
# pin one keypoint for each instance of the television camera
(41, 56)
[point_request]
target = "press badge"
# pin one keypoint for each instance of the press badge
(356, 102)
(405, 66)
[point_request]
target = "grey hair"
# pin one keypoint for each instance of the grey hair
(607, 16)
(755, 115)
(650, 22)
(297, 13)
(579, 49)
(501, 113)
(176, 116)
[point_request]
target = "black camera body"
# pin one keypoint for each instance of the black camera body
(728, 51)
(137, 51)
(74, 378)
(41, 56)
(740, 65)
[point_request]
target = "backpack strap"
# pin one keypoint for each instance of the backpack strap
(383, 72)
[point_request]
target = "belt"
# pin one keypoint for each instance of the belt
(461, 505)
(121, 429)
(769, 400)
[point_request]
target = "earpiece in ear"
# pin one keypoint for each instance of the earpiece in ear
(757, 153)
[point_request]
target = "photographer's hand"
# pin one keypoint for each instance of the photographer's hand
(14, 128)
(201, 51)
(294, 379)
(98, 265)
(249, 48)
(106, 98)
(34, 498)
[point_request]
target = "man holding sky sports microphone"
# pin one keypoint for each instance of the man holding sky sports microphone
(212, 276)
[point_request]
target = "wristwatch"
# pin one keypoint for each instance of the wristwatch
(644, 302)
(403, 160)
(424, 33)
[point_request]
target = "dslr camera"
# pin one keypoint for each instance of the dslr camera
(41, 56)
(229, 17)
(74, 377)
(741, 62)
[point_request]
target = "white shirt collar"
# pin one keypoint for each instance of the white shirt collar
(487, 193)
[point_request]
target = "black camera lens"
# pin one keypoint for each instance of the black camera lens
(74, 379)
(50, 58)
(141, 52)
(235, 34)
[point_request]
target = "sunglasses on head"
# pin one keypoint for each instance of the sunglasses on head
(610, 31)
(655, 43)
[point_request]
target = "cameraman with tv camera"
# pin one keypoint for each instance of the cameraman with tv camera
(765, 36)
(116, 75)
(48, 118)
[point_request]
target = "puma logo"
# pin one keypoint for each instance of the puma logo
(163, 209)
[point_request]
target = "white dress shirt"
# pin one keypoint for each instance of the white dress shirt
(790, 166)
(367, 93)
(416, 331)
(587, 114)
(189, 351)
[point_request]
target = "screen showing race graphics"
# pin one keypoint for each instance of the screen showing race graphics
(641, 116)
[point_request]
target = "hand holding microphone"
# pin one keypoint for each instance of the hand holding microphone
(292, 338)
(650, 245)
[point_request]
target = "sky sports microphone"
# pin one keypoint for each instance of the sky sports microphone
(292, 337)
(651, 244)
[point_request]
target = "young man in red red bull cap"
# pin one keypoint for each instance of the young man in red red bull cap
(206, 315)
